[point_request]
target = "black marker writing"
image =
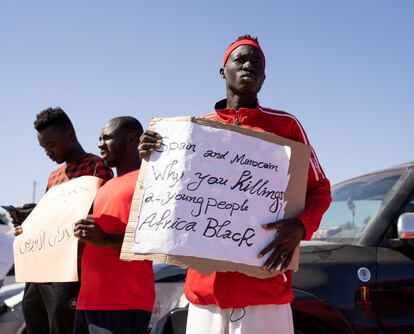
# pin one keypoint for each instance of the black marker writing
(242, 160)
(258, 187)
(168, 174)
(193, 186)
(154, 222)
(167, 146)
(217, 155)
(216, 230)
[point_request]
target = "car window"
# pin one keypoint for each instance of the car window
(354, 205)
(392, 230)
(409, 207)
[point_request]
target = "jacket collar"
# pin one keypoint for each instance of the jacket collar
(230, 115)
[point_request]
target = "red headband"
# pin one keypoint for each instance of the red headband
(243, 41)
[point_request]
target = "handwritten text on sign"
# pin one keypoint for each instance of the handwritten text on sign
(208, 190)
(47, 249)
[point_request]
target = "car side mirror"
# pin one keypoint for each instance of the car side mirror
(405, 226)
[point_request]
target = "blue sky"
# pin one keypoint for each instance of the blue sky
(344, 68)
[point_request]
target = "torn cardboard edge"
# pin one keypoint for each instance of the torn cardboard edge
(295, 196)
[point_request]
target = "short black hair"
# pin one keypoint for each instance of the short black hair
(129, 124)
(254, 39)
(52, 116)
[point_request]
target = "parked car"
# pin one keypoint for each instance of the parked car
(357, 274)
(11, 316)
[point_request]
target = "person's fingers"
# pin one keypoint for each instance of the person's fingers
(150, 138)
(148, 146)
(144, 153)
(266, 250)
(151, 134)
(272, 226)
(83, 233)
(287, 261)
(273, 260)
(80, 221)
(86, 221)
(18, 230)
(85, 226)
(273, 245)
(148, 142)
(78, 227)
(278, 260)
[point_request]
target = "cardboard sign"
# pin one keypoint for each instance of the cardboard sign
(46, 251)
(203, 196)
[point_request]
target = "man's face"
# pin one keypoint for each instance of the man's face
(57, 142)
(112, 143)
(244, 70)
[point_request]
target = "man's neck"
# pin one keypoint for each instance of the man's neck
(77, 153)
(126, 166)
(236, 101)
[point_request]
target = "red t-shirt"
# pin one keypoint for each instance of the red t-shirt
(234, 289)
(107, 283)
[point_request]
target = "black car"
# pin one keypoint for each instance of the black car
(357, 274)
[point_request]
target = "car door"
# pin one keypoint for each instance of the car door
(394, 297)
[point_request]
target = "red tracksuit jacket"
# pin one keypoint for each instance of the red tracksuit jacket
(233, 289)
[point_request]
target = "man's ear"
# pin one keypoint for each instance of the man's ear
(222, 73)
(133, 138)
(70, 134)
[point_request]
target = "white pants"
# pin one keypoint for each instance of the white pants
(259, 319)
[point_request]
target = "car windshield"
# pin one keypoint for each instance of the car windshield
(355, 204)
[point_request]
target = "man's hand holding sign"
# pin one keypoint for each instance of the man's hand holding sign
(89, 230)
(289, 232)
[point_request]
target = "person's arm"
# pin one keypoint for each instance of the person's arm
(318, 199)
(291, 231)
(318, 192)
(88, 230)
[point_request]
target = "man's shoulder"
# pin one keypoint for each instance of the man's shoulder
(277, 113)
(57, 171)
(280, 116)
(94, 165)
(89, 164)
(56, 177)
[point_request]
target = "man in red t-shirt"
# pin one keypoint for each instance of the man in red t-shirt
(115, 296)
(231, 302)
(50, 307)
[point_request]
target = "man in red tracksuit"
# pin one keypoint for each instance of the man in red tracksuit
(231, 302)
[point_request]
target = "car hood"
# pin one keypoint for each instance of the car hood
(336, 253)
(314, 246)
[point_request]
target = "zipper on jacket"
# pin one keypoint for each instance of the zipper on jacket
(236, 121)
